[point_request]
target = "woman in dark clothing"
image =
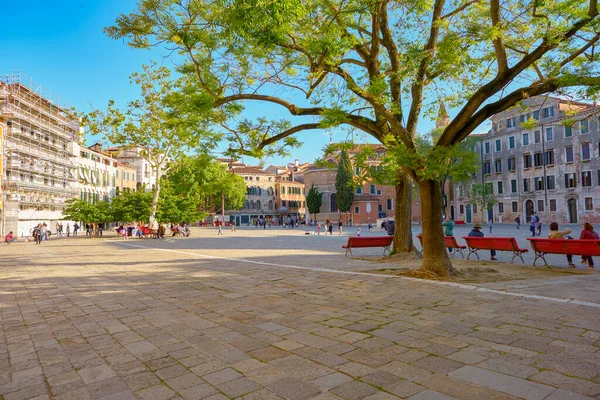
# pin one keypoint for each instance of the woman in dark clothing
(588, 233)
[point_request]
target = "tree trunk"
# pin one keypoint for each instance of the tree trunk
(435, 255)
(156, 195)
(403, 242)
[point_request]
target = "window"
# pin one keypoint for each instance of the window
(570, 181)
(356, 210)
(569, 157)
(568, 131)
(461, 193)
(379, 191)
(498, 145)
(540, 205)
(548, 112)
(527, 161)
(500, 187)
(584, 126)
(537, 137)
(390, 204)
(550, 182)
(490, 187)
(498, 125)
(585, 152)
(513, 186)
(538, 183)
(511, 142)
(536, 115)
(487, 168)
(372, 189)
(474, 208)
(526, 139)
(500, 208)
(512, 164)
(549, 134)
(498, 166)
(356, 171)
(510, 123)
(586, 178)
(359, 190)
(537, 160)
(526, 185)
(258, 178)
(461, 209)
(552, 204)
(515, 206)
(283, 190)
(589, 204)
(549, 157)
(487, 147)
(333, 202)
(379, 208)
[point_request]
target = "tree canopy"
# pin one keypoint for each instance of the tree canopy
(378, 66)
(314, 200)
(344, 183)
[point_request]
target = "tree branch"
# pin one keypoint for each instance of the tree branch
(459, 9)
(498, 42)
(428, 53)
(392, 50)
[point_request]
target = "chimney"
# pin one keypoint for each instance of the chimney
(296, 163)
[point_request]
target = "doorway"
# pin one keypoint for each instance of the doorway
(490, 213)
(529, 210)
(468, 211)
(572, 204)
(452, 212)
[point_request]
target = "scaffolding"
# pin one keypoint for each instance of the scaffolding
(39, 130)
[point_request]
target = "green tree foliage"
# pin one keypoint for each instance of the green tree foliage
(344, 184)
(88, 213)
(203, 181)
(132, 206)
(151, 125)
(314, 200)
(369, 65)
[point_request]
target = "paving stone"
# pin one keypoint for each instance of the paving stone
(564, 382)
(437, 364)
(141, 380)
(264, 394)
(354, 390)
(562, 394)
(405, 371)
(238, 387)
(288, 345)
(330, 381)
(509, 368)
(306, 339)
(198, 392)
(183, 382)
(431, 395)
(222, 376)
(404, 388)
(158, 392)
(503, 383)
(355, 369)
(380, 379)
(467, 357)
(294, 389)
(96, 373)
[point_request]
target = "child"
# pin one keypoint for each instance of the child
(358, 232)
(318, 229)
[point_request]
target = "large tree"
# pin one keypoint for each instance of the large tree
(371, 65)
(344, 183)
(149, 126)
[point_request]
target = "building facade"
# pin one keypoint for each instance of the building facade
(543, 157)
(97, 174)
(145, 177)
(260, 197)
(39, 172)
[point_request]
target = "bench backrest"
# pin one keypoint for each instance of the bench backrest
(492, 243)
(450, 241)
(373, 241)
(581, 247)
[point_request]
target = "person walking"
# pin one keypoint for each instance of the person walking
(219, 232)
(476, 232)
(37, 234)
(58, 230)
(318, 229)
(491, 225)
(100, 229)
(533, 225)
(539, 225)
(588, 233)
(556, 234)
(75, 229)
(518, 221)
(44, 231)
(68, 229)
(233, 226)
(448, 225)
(340, 227)
(330, 228)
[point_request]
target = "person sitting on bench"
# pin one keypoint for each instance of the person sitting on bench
(476, 232)
(556, 234)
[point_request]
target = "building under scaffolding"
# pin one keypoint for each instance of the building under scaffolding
(37, 133)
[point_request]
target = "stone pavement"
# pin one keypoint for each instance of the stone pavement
(106, 319)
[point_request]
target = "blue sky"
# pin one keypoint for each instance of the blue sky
(61, 46)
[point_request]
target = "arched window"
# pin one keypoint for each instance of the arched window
(258, 204)
(246, 204)
(270, 204)
(333, 203)
(259, 191)
(283, 190)
(251, 204)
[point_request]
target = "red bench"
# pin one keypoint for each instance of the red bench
(581, 247)
(494, 243)
(450, 243)
(373, 241)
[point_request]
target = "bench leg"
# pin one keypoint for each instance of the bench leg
(348, 250)
(542, 256)
(460, 251)
(472, 251)
(386, 248)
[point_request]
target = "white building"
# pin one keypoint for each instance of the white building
(38, 173)
(132, 156)
(97, 174)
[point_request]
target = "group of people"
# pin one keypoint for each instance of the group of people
(587, 232)
(329, 227)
